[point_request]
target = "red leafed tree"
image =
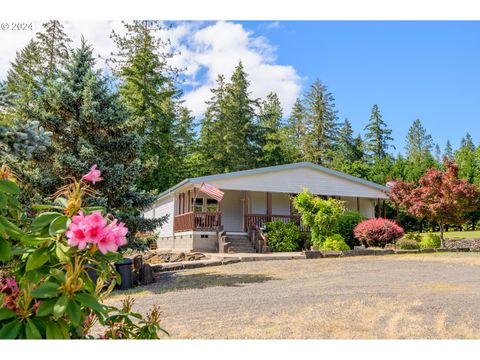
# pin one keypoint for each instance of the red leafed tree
(439, 197)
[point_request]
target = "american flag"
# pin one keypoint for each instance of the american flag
(212, 191)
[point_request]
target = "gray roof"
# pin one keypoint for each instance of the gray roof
(273, 168)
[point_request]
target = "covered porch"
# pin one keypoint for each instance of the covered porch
(239, 210)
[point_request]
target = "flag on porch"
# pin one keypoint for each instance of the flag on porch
(212, 191)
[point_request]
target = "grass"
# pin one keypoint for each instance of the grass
(458, 234)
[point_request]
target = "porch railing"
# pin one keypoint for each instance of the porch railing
(259, 220)
(197, 221)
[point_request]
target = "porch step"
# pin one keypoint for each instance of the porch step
(239, 243)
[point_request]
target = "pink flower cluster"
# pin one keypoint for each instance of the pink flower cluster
(95, 229)
(9, 289)
(93, 175)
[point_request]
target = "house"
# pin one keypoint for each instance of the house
(250, 199)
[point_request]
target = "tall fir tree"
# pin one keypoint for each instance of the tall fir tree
(185, 143)
(53, 45)
(270, 122)
(438, 155)
(229, 139)
(210, 154)
(448, 152)
(89, 126)
(147, 88)
(418, 150)
(321, 124)
(465, 158)
(294, 133)
(348, 147)
(377, 136)
(419, 142)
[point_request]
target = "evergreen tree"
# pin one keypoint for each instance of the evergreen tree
(348, 148)
(438, 155)
(270, 121)
(419, 143)
(229, 139)
(465, 159)
(147, 88)
(295, 131)
(377, 136)
(448, 152)
(185, 144)
(212, 131)
(52, 46)
(89, 126)
(6, 100)
(321, 124)
(36, 64)
(418, 148)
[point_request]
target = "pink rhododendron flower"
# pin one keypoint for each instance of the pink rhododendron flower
(93, 175)
(94, 225)
(94, 229)
(76, 232)
(9, 289)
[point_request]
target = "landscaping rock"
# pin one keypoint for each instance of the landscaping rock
(427, 250)
(230, 261)
(313, 254)
(331, 253)
(350, 253)
(446, 250)
(383, 252)
(365, 251)
(400, 251)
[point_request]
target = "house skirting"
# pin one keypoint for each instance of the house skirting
(189, 241)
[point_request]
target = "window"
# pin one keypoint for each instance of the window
(199, 205)
(212, 205)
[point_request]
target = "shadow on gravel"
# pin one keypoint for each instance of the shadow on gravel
(173, 281)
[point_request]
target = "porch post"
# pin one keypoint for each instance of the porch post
(384, 210)
(379, 212)
(358, 204)
(189, 201)
(269, 206)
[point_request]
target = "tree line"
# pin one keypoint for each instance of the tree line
(59, 115)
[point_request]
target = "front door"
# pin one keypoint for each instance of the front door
(232, 211)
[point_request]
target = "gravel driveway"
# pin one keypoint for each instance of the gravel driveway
(395, 296)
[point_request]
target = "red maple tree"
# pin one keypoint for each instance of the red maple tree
(440, 196)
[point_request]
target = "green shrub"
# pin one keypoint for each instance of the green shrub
(321, 216)
(413, 236)
(335, 242)
(346, 225)
(283, 236)
(407, 244)
(430, 241)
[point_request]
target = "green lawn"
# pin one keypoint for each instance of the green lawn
(460, 234)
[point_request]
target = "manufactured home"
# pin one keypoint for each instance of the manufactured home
(198, 208)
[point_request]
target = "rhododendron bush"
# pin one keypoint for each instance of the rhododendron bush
(48, 292)
(377, 232)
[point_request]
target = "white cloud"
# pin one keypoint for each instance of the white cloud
(205, 50)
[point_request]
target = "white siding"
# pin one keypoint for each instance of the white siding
(164, 207)
(280, 204)
(232, 211)
(257, 202)
(367, 208)
(295, 180)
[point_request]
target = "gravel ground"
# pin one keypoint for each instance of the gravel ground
(428, 296)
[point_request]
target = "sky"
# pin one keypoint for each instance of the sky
(425, 70)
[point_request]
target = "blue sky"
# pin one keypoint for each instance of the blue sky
(425, 70)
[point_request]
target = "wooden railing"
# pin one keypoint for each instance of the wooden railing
(258, 239)
(259, 220)
(197, 221)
